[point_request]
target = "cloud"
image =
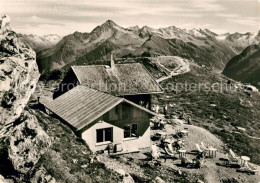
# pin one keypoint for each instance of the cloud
(43, 29)
(38, 20)
(239, 19)
(106, 8)
(250, 21)
(228, 15)
(71, 15)
(207, 5)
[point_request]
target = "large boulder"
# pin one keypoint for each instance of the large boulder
(28, 142)
(18, 73)
(22, 145)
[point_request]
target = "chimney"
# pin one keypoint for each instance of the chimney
(112, 62)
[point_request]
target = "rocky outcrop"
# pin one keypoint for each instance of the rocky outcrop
(22, 140)
(28, 142)
(22, 146)
(42, 176)
(18, 73)
(5, 23)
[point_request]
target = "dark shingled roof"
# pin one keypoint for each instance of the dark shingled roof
(81, 105)
(123, 79)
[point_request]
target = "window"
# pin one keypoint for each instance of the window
(130, 131)
(104, 135)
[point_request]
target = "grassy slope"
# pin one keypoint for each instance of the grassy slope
(222, 118)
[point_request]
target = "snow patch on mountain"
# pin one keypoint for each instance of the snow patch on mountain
(222, 36)
(197, 32)
(39, 43)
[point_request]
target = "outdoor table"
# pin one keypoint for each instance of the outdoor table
(182, 153)
(244, 160)
(212, 152)
(185, 132)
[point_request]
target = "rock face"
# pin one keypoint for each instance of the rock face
(21, 147)
(23, 141)
(18, 73)
(27, 141)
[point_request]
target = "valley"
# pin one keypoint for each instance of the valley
(245, 66)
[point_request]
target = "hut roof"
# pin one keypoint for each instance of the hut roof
(81, 106)
(122, 79)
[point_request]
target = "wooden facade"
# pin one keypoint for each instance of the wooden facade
(124, 114)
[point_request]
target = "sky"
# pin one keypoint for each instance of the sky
(64, 17)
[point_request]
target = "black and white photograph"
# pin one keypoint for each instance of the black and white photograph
(129, 91)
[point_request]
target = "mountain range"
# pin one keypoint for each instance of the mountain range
(202, 46)
(39, 43)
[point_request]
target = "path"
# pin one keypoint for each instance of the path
(183, 67)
